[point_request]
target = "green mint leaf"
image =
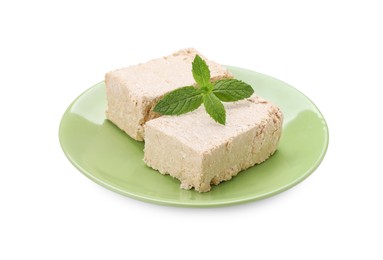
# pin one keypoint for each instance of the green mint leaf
(179, 101)
(201, 72)
(229, 90)
(214, 108)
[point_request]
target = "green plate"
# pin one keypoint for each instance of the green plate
(112, 159)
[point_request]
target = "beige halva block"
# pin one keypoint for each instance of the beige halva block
(133, 92)
(200, 152)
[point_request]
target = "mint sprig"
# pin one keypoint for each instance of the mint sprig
(189, 98)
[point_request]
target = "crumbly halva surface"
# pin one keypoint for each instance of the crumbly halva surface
(132, 92)
(200, 152)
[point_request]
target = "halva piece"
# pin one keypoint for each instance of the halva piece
(133, 92)
(200, 152)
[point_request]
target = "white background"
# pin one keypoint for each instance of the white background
(51, 51)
